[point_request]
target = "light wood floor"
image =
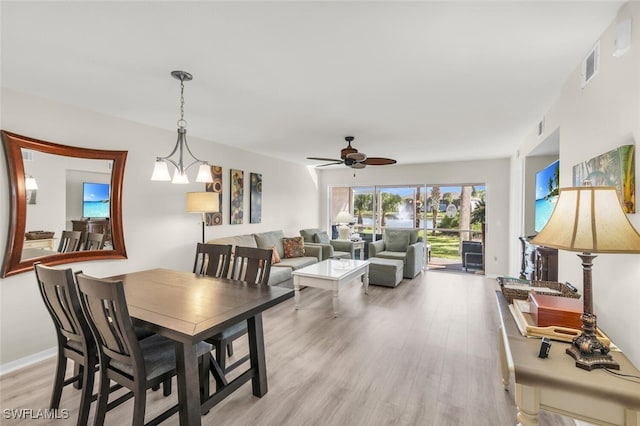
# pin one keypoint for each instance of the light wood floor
(424, 353)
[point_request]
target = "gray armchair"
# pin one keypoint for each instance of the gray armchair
(400, 244)
(330, 248)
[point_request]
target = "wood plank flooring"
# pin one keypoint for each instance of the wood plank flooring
(424, 353)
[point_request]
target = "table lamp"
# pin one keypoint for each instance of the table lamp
(589, 219)
(203, 202)
(343, 219)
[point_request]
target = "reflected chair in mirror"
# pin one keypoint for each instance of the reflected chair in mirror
(93, 241)
(251, 265)
(69, 241)
(74, 337)
(135, 364)
(212, 260)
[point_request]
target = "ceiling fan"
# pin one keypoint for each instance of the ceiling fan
(350, 157)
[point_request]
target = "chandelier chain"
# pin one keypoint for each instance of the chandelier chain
(182, 122)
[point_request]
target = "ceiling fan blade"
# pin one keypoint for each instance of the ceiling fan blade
(329, 164)
(378, 161)
(324, 159)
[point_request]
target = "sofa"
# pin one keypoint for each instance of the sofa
(280, 274)
(330, 248)
(400, 244)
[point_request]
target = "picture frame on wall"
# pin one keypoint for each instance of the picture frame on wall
(236, 204)
(255, 197)
(215, 218)
(613, 168)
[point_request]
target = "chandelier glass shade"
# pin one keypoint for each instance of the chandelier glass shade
(181, 150)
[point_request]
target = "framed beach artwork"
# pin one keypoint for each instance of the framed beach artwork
(236, 205)
(613, 168)
(255, 197)
(214, 219)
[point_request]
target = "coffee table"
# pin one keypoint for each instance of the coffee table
(330, 274)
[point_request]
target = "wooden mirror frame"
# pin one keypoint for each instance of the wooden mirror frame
(13, 145)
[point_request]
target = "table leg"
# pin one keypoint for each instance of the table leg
(528, 402)
(336, 286)
(365, 279)
(503, 359)
(296, 291)
(256, 353)
(188, 384)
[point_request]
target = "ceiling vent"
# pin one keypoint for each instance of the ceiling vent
(591, 64)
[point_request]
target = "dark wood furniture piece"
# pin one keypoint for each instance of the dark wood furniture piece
(189, 308)
(538, 263)
(70, 241)
(75, 341)
(555, 383)
(212, 260)
(250, 265)
(135, 364)
(98, 226)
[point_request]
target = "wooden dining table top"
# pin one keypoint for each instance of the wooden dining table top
(189, 307)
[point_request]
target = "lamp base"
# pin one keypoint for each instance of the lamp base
(588, 351)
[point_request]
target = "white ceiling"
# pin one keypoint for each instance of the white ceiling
(415, 81)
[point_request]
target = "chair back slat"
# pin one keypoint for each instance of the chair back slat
(212, 260)
(252, 265)
(93, 241)
(105, 307)
(61, 300)
(69, 241)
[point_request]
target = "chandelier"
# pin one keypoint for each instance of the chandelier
(161, 168)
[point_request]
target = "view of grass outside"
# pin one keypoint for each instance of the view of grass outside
(444, 246)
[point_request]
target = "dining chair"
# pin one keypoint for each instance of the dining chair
(69, 241)
(251, 265)
(212, 260)
(135, 364)
(93, 241)
(74, 337)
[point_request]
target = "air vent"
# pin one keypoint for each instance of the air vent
(27, 155)
(591, 64)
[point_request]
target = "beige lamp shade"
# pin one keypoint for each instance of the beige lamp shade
(343, 217)
(589, 219)
(202, 202)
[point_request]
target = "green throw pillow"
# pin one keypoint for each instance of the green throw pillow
(321, 237)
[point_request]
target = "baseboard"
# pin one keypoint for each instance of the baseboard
(12, 366)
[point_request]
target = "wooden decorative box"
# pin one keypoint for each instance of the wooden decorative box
(552, 310)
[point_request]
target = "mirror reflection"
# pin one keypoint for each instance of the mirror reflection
(66, 203)
(76, 218)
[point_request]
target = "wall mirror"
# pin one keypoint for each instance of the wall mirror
(56, 188)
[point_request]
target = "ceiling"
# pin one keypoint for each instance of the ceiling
(415, 81)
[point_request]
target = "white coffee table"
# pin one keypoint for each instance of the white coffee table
(330, 274)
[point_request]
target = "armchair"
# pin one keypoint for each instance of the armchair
(472, 255)
(329, 248)
(400, 244)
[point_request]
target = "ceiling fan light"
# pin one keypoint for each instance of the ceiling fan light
(357, 156)
(358, 166)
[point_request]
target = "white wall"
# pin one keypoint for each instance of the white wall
(593, 120)
(158, 231)
(493, 173)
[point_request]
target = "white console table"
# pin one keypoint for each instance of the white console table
(44, 243)
(555, 384)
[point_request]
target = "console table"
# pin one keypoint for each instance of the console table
(43, 243)
(555, 384)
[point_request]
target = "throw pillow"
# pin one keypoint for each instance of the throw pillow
(275, 257)
(396, 240)
(293, 247)
(321, 237)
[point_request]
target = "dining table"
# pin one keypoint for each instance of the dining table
(189, 308)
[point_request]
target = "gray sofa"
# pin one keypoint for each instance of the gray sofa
(280, 274)
(400, 244)
(330, 248)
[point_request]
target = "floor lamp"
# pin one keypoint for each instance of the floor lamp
(203, 202)
(589, 219)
